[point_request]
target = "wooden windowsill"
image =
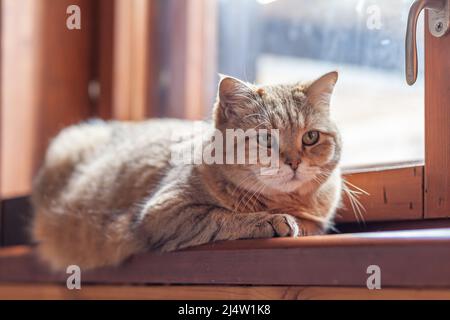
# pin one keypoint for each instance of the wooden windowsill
(416, 258)
(381, 166)
(213, 292)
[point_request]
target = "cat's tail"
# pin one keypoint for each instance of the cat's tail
(67, 150)
(66, 237)
(69, 232)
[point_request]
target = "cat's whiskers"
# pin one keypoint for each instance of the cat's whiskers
(245, 190)
(259, 194)
(240, 184)
(322, 176)
(360, 191)
(241, 198)
(353, 196)
(245, 195)
(260, 124)
(257, 191)
(318, 178)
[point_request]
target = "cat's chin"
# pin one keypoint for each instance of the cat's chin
(288, 185)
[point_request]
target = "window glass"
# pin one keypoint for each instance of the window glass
(379, 115)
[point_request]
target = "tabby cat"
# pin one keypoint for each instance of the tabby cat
(108, 190)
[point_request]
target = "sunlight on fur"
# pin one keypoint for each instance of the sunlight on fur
(109, 190)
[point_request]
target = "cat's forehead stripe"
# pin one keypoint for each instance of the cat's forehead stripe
(284, 104)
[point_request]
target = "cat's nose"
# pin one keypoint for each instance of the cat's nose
(293, 163)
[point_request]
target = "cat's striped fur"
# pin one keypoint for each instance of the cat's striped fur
(108, 190)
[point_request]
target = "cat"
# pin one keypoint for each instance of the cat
(108, 189)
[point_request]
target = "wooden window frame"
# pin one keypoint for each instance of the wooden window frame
(140, 76)
(330, 260)
(396, 191)
(203, 292)
(408, 191)
(404, 191)
(418, 191)
(437, 126)
(49, 89)
(411, 191)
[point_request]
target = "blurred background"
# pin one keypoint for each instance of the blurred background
(137, 59)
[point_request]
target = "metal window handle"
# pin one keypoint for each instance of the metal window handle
(438, 24)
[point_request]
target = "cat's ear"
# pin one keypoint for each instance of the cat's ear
(231, 90)
(319, 91)
(234, 96)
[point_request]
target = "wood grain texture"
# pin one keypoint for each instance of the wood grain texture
(65, 67)
(19, 40)
(104, 56)
(393, 225)
(45, 291)
(48, 68)
(192, 58)
(332, 260)
(394, 194)
(437, 126)
(132, 72)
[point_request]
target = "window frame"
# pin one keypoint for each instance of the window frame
(420, 190)
(329, 260)
(50, 85)
(437, 126)
(403, 191)
(323, 260)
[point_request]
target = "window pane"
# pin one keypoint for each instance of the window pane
(380, 116)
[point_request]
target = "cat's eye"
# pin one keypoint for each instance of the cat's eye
(311, 138)
(265, 140)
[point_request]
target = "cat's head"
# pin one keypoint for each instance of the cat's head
(309, 145)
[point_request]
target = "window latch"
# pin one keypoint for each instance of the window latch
(438, 23)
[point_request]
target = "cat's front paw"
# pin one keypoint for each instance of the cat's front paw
(310, 228)
(284, 225)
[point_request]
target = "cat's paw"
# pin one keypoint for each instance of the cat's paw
(309, 228)
(284, 225)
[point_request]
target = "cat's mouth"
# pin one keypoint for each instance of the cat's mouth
(298, 177)
(292, 177)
